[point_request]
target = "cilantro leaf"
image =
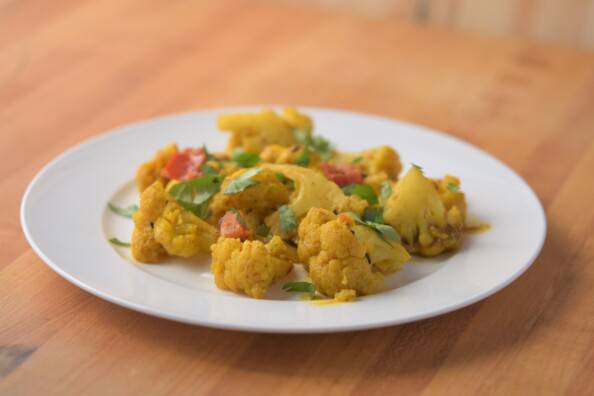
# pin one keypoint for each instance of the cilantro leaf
(323, 147)
(124, 212)
(300, 287)
(263, 230)
(363, 191)
(288, 221)
(385, 191)
(242, 182)
(374, 215)
(244, 159)
(384, 230)
(418, 167)
(453, 187)
(304, 158)
(357, 160)
(285, 180)
(208, 170)
(194, 195)
(117, 242)
(208, 154)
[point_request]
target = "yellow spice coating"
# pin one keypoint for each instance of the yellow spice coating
(425, 224)
(162, 226)
(335, 258)
(266, 196)
(250, 267)
(150, 171)
(254, 131)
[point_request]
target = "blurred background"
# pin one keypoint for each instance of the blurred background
(565, 22)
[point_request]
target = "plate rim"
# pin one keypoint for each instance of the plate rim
(298, 329)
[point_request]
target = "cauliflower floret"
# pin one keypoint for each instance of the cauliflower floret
(254, 131)
(266, 196)
(450, 194)
(150, 171)
(250, 267)
(182, 233)
(296, 119)
(162, 226)
(378, 164)
(152, 203)
(277, 154)
(342, 256)
(417, 211)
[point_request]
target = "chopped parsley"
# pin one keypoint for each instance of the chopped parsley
(287, 219)
(194, 195)
(242, 182)
(363, 191)
(124, 212)
(117, 242)
(300, 287)
(244, 159)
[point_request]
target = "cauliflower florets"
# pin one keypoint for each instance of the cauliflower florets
(266, 196)
(162, 226)
(340, 255)
(250, 266)
(379, 164)
(254, 131)
(150, 171)
(416, 209)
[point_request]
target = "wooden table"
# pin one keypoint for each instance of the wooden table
(69, 69)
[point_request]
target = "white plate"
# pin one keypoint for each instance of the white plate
(65, 219)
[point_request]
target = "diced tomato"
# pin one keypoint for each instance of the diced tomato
(185, 165)
(232, 226)
(342, 174)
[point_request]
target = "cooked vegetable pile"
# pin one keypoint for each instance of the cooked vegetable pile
(281, 196)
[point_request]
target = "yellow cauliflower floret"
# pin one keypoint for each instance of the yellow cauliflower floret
(342, 255)
(152, 203)
(266, 196)
(417, 211)
(450, 194)
(250, 267)
(277, 154)
(378, 164)
(150, 171)
(162, 226)
(182, 233)
(254, 131)
(341, 263)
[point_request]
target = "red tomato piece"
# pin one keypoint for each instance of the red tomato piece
(185, 165)
(233, 227)
(342, 174)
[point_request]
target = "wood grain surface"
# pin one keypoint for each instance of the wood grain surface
(70, 69)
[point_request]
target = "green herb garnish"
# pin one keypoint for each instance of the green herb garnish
(418, 167)
(317, 144)
(385, 191)
(300, 287)
(357, 160)
(209, 156)
(117, 242)
(242, 182)
(288, 221)
(194, 195)
(363, 191)
(208, 170)
(453, 187)
(244, 159)
(384, 230)
(374, 214)
(263, 230)
(124, 212)
(285, 180)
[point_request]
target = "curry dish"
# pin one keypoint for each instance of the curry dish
(280, 196)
